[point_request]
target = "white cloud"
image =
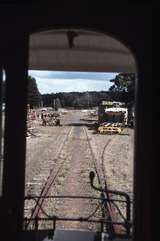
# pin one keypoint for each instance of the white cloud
(40, 73)
(71, 75)
(62, 81)
(68, 85)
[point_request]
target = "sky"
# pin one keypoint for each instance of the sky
(65, 81)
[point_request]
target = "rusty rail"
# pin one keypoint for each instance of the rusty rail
(110, 207)
(46, 188)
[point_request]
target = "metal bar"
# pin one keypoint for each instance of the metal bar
(103, 213)
(128, 215)
(110, 207)
(1, 157)
(1, 101)
(65, 196)
(36, 223)
(106, 202)
(80, 219)
(75, 197)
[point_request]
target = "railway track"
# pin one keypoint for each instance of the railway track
(35, 166)
(45, 178)
(108, 209)
(114, 212)
(102, 179)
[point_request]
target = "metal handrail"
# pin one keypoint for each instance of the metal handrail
(118, 193)
(89, 219)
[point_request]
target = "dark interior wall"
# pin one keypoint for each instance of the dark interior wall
(131, 25)
(11, 203)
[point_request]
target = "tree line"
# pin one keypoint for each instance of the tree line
(122, 89)
(81, 100)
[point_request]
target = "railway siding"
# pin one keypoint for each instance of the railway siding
(118, 158)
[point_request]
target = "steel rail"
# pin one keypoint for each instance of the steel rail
(73, 197)
(112, 205)
(102, 179)
(50, 180)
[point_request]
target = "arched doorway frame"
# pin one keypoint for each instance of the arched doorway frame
(142, 152)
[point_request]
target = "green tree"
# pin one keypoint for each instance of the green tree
(34, 96)
(123, 82)
(124, 87)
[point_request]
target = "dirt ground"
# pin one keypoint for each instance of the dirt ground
(43, 150)
(118, 158)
